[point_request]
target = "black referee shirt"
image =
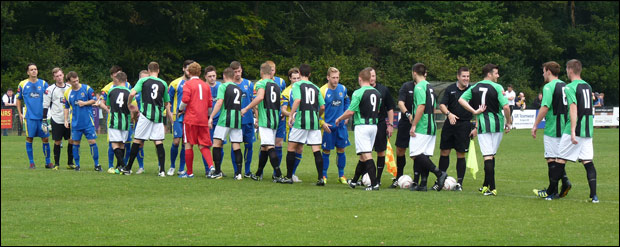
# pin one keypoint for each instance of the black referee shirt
(405, 94)
(387, 103)
(451, 100)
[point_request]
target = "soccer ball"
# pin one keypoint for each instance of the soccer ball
(366, 180)
(449, 184)
(404, 182)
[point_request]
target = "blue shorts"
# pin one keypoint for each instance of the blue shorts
(281, 132)
(132, 129)
(338, 138)
(33, 128)
(89, 133)
(177, 129)
(248, 133)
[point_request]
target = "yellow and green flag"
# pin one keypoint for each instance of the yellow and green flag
(472, 160)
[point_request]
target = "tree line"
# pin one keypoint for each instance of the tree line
(90, 37)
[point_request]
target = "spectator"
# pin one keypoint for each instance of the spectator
(595, 100)
(536, 104)
(8, 102)
(600, 100)
(521, 101)
(510, 96)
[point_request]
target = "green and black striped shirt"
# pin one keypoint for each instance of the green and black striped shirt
(230, 115)
(120, 117)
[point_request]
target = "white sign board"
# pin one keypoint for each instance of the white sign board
(605, 117)
(523, 119)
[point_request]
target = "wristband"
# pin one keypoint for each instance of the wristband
(407, 114)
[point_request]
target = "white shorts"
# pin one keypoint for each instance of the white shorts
(365, 138)
(421, 144)
(236, 135)
(583, 150)
(310, 137)
(118, 135)
(552, 147)
(489, 143)
(267, 136)
(147, 130)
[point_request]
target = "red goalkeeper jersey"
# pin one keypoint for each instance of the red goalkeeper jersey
(197, 96)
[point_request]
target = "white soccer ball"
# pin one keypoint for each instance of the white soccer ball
(366, 180)
(449, 184)
(404, 182)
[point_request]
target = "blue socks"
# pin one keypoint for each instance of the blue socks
(94, 151)
(297, 161)
(76, 154)
(29, 152)
(325, 163)
(127, 151)
(232, 155)
(247, 156)
(342, 162)
(140, 158)
(111, 155)
(46, 152)
(174, 151)
(279, 154)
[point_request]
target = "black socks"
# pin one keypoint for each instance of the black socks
(318, 161)
(57, 154)
(161, 156)
(290, 164)
(444, 163)
(401, 161)
(380, 166)
(217, 159)
(135, 148)
(119, 154)
(591, 174)
(238, 159)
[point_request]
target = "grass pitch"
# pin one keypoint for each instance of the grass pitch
(45, 207)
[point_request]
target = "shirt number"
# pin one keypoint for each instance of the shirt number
(432, 97)
(484, 95)
(155, 87)
(586, 98)
(273, 95)
(564, 96)
(119, 100)
(237, 96)
(310, 96)
(200, 90)
(373, 102)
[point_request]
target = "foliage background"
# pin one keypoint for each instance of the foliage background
(90, 37)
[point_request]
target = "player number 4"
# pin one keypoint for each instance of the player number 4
(119, 100)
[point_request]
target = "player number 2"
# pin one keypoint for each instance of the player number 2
(155, 87)
(119, 100)
(237, 96)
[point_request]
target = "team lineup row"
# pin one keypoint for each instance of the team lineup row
(314, 116)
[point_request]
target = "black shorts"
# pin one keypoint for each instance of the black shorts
(59, 131)
(456, 136)
(402, 136)
(381, 138)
